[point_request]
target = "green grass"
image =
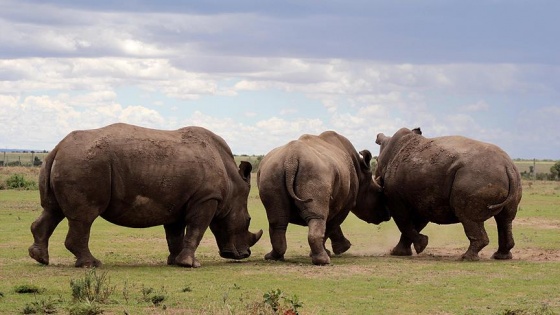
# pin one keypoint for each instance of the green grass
(365, 280)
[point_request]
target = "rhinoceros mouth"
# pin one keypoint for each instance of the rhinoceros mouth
(235, 255)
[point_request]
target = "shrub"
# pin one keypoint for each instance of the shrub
(280, 304)
(41, 307)
(18, 181)
(27, 288)
(543, 309)
(92, 287)
(85, 308)
(149, 295)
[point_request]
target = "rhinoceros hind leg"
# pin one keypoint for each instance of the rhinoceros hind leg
(320, 259)
(505, 235)
(42, 230)
(316, 239)
(278, 241)
(478, 239)
(77, 242)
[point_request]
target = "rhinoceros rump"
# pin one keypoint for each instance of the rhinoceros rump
(185, 180)
(316, 181)
(448, 180)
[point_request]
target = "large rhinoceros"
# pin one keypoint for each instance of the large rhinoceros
(139, 177)
(316, 181)
(448, 180)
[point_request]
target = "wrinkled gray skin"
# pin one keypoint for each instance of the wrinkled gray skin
(448, 180)
(316, 181)
(136, 177)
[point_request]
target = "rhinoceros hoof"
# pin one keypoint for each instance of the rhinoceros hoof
(171, 260)
(41, 256)
(468, 256)
(321, 259)
(273, 256)
(502, 256)
(401, 251)
(421, 244)
(189, 262)
(88, 263)
(341, 247)
(326, 250)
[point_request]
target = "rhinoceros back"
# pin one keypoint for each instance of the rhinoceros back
(140, 177)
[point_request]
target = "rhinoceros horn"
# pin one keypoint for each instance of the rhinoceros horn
(377, 183)
(256, 237)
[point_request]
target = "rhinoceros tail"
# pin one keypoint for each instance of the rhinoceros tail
(514, 182)
(48, 200)
(291, 167)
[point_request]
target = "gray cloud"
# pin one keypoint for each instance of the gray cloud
(395, 32)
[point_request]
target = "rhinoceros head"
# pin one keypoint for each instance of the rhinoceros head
(388, 147)
(370, 203)
(232, 230)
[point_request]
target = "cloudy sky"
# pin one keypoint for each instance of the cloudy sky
(261, 73)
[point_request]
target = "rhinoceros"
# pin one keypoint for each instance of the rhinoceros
(185, 180)
(315, 181)
(448, 180)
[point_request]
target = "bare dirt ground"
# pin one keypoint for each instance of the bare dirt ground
(519, 254)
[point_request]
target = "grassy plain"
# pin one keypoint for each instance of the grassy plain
(540, 166)
(365, 280)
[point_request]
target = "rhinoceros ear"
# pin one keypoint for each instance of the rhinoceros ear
(366, 159)
(245, 169)
(417, 131)
(380, 138)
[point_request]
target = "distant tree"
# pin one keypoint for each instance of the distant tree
(37, 161)
(555, 170)
(373, 163)
(257, 162)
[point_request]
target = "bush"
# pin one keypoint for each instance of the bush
(543, 309)
(41, 307)
(27, 288)
(92, 287)
(149, 295)
(18, 181)
(85, 308)
(274, 299)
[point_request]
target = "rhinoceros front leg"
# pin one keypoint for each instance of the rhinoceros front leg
(410, 235)
(340, 243)
(403, 247)
(42, 230)
(316, 238)
(77, 242)
(197, 222)
(175, 234)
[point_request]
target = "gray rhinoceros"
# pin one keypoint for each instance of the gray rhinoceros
(137, 177)
(448, 180)
(316, 181)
